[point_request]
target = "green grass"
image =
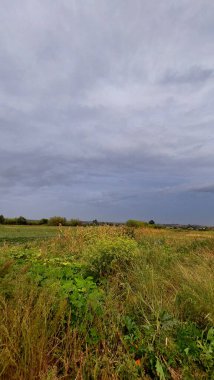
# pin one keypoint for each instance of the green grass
(106, 303)
(22, 234)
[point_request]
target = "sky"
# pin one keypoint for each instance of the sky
(107, 109)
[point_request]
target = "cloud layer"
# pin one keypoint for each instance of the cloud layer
(107, 109)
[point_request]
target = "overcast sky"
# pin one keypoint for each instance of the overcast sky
(107, 109)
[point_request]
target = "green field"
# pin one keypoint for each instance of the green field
(106, 303)
(21, 234)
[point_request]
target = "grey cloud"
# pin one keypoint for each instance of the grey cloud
(195, 75)
(203, 189)
(106, 108)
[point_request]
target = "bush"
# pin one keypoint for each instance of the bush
(32, 222)
(43, 221)
(10, 221)
(57, 221)
(74, 222)
(135, 223)
(2, 219)
(151, 221)
(21, 220)
(106, 256)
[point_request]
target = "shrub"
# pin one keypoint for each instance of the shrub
(74, 222)
(151, 221)
(21, 220)
(2, 219)
(135, 223)
(108, 255)
(43, 221)
(57, 221)
(10, 221)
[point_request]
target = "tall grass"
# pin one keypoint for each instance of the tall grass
(108, 303)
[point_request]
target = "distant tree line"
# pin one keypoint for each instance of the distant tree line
(61, 221)
(53, 221)
(131, 223)
(21, 220)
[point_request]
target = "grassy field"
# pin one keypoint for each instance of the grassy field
(22, 234)
(106, 303)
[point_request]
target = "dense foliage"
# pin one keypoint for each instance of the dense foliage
(107, 303)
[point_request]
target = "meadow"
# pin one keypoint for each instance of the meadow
(22, 234)
(106, 302)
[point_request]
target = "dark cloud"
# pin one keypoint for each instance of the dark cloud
(106, 109)
(195, 75)
(203, 189)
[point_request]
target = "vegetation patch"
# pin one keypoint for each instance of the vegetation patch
(106, 303)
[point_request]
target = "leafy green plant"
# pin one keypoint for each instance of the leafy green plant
(159, 370)
(206, 347)
(107, 256)
(84, 297)
(132, 335)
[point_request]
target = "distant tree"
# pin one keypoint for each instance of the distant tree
(151, 222)
(21, 220)
(2, 219)
(57, 221)
(135, 223)
(43, 221)
(95, 222)
(10, 221)
(32, 222)
(74, 222)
